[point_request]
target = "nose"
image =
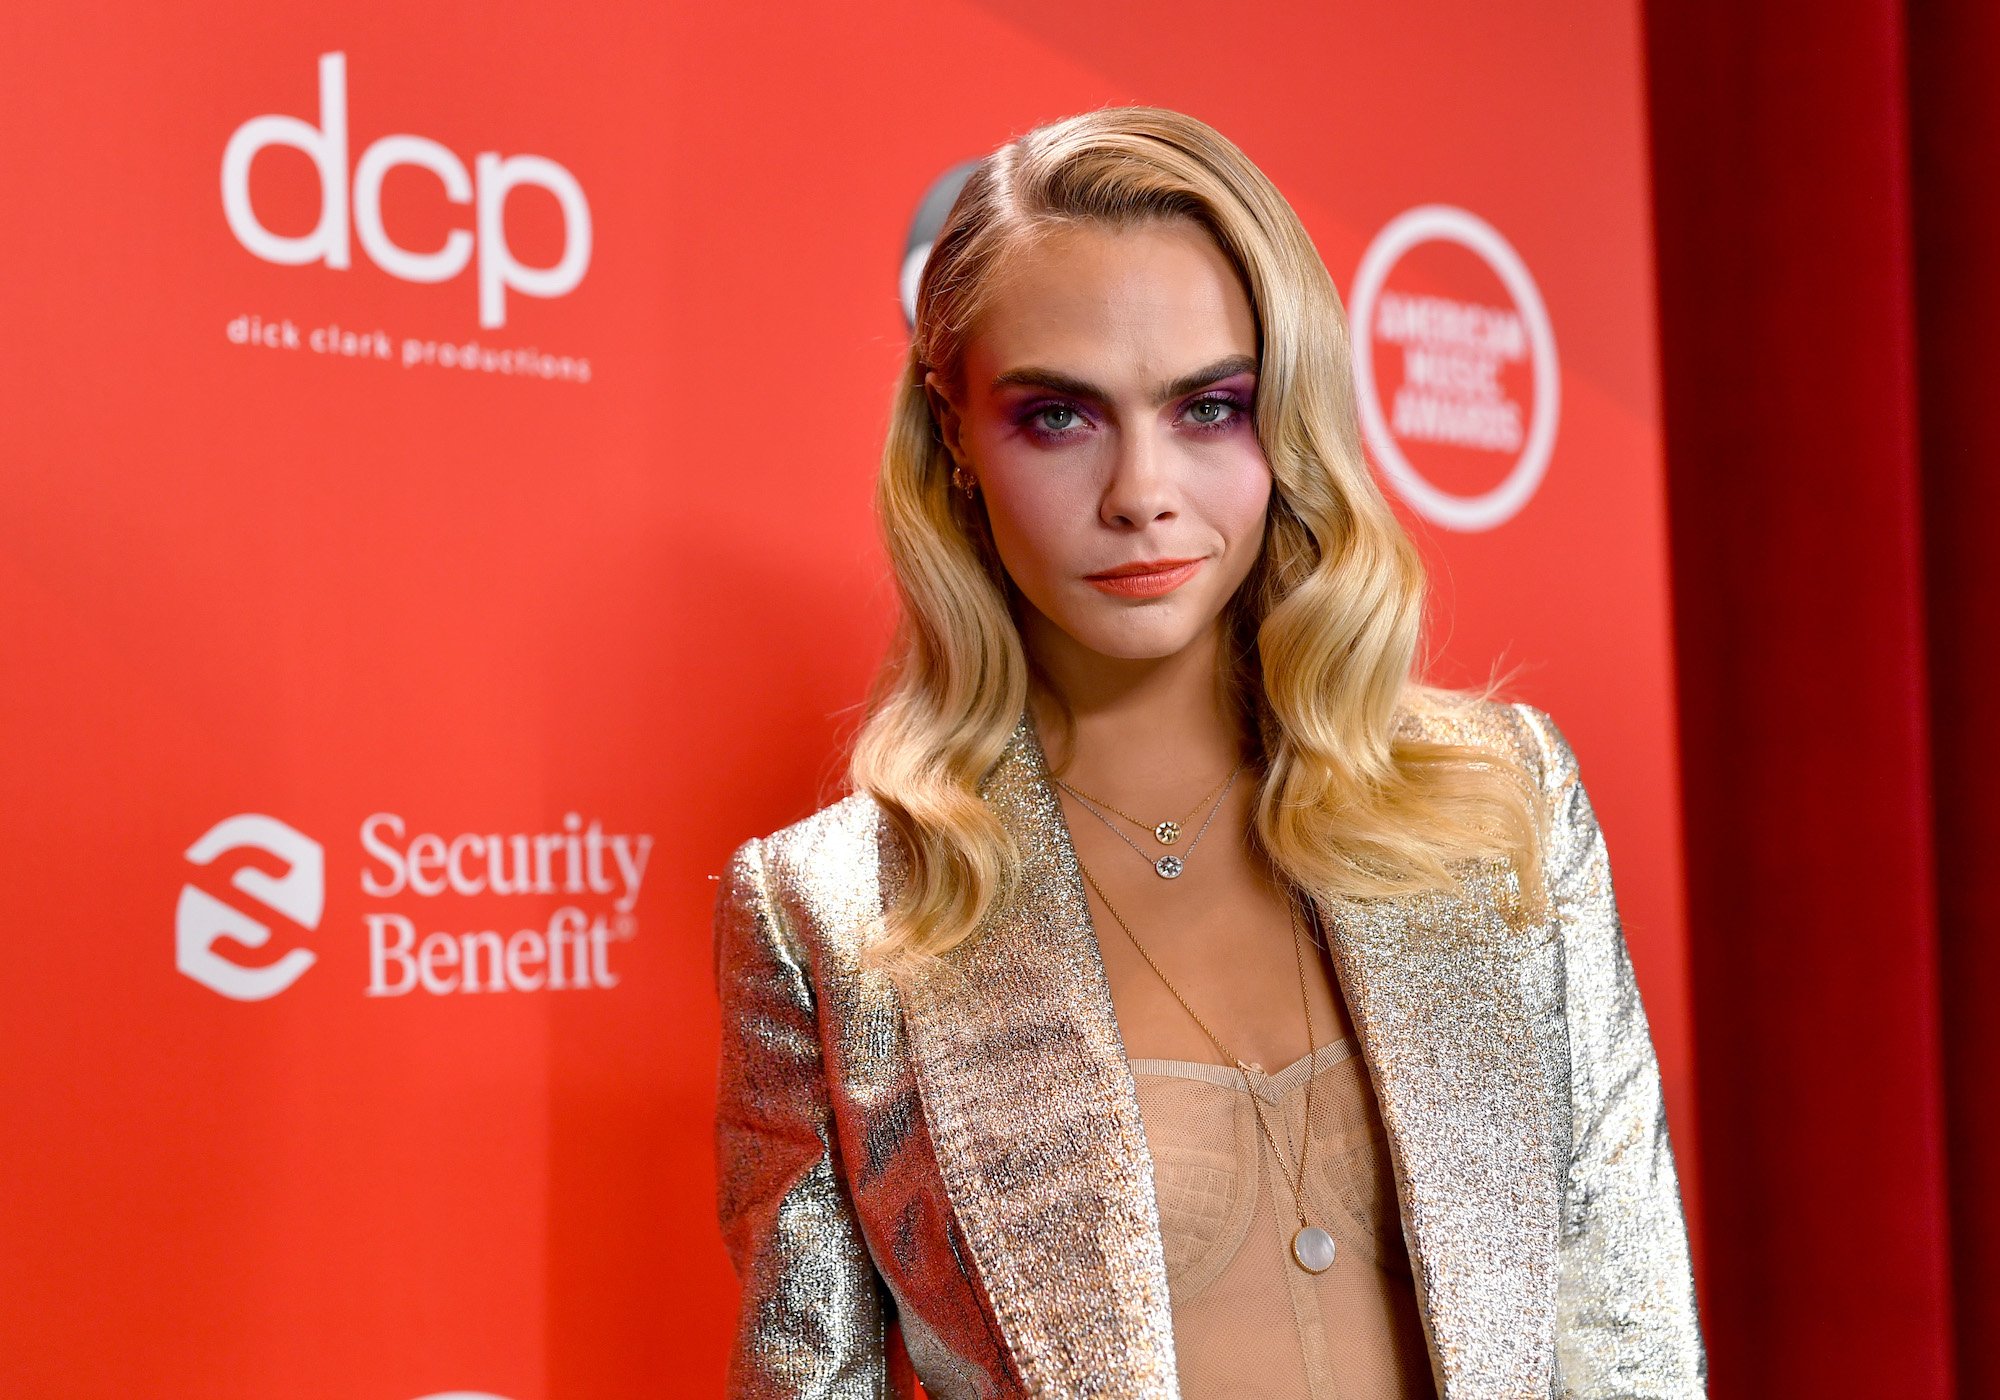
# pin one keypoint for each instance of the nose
(1141, 487)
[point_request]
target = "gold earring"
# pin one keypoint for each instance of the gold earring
(964, 481)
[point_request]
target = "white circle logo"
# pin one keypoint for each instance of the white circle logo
(1454, 353)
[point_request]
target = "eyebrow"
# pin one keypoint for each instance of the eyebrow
(1078, 388)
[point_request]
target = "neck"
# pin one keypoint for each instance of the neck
(1154, 731)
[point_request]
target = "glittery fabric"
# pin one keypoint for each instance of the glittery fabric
(969, 1159)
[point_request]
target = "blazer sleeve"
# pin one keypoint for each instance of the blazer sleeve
(812, 1317)
(1626, 1320)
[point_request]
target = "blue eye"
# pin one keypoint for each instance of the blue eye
(1223, 401)
(1035, 422)
(1215, 401)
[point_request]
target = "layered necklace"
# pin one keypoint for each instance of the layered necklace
(1312, 1245)
(1169, 866)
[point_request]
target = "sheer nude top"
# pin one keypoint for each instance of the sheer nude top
(1247, 1320)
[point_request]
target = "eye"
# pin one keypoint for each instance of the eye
(1052, 422)
(1214, 412)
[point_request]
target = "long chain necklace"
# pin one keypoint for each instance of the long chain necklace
(1169, 866)
(1167, 832)
(1312, 1246)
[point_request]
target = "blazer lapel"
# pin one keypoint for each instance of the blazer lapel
(1463, 1074)
(1036, 1121)
(1035, 1117)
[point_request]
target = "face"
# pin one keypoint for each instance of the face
(1108, 418)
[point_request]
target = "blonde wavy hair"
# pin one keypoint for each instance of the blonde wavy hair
(1322, 637)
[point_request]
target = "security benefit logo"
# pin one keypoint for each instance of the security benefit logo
(409, 884)
(202, 921)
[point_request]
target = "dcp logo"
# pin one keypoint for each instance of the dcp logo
(299, 894)
(497, 176)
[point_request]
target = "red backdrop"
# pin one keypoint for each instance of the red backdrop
(439, 531)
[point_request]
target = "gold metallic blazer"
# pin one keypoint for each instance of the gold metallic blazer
(968, 1161)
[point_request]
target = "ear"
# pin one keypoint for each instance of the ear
(950, 425)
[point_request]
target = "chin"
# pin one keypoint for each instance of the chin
(1127, 640)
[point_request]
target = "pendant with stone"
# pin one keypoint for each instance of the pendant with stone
(1168, 866)
(1313, 1248)
(1167, 833)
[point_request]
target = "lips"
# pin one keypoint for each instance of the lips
(1143, 566)
(1145, 578)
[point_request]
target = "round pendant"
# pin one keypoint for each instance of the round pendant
(1167, 833)
(1313, 1248)
(1168, 866)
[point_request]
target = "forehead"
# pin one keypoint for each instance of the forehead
(1145, 303)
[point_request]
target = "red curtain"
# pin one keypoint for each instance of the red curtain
(1956, 125)
(1824, 192)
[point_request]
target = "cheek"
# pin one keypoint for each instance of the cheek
(1035, 510)
(1035, 519)
(1235, 495)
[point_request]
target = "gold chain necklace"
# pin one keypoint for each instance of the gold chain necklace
(1312, 1246)
(1169, 866)
(1167, 832)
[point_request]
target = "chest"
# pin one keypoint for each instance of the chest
(1189, 966)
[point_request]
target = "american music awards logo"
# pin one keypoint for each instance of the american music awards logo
(597, 874)
(1459, 395)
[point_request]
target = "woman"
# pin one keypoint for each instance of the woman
(994, 1094)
